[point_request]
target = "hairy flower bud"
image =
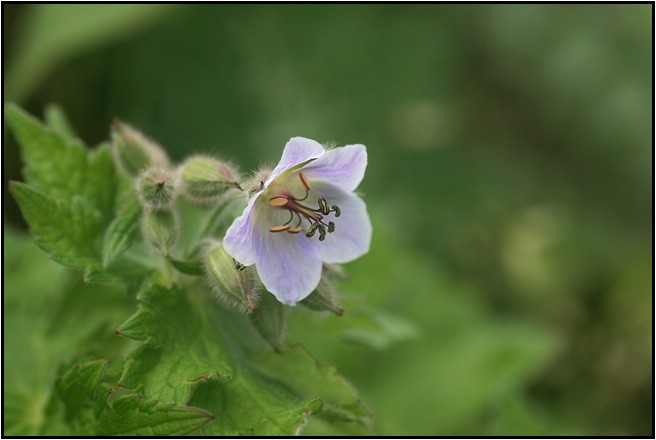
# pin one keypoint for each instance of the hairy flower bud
(160, 229)
(156, 188)
(203, 179)
(324, 298)
(133, 152)
(233, 285)
(256, 181)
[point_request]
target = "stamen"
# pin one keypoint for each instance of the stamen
(323, 206)
(294, 230)
(312, 230)
(331, 227)
(278, 201)
(304, 181)
(280, 228)
(322, 233)
(336, 210)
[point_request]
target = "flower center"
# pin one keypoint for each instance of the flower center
(316, 217)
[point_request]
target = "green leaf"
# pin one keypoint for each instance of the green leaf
(199, 353)
(57, 120)
(134, 416)
(54, 318)
(177, 352)
(77, 389)
(62, 168)
(65, 230)
(86, 410)
(121, 232)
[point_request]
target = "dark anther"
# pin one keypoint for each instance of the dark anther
(331, 226)
(323, 206)
(336, 210)
(311, 231)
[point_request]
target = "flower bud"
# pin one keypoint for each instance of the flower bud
(234, 285)
(256, 181)
(204, 179)
(160, 229)
(324, 298)
(133, 152)
(156, 188)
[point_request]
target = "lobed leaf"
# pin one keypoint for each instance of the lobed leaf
(198, 353)
(61, 166)
(86, 410)
(64, 229)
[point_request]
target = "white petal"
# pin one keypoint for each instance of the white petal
(342, 166)
(297, 151)
(287, 264)
(238, 240)
(352, 236)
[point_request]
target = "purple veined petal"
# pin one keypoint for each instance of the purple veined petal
(238, 240)
(342, 166)
(287, 264)
(352, 236)
(297, 151)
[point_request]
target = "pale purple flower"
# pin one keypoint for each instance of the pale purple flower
(304, 215)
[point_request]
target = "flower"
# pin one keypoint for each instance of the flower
(303, 215)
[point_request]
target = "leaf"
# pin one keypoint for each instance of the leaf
(133, 416)
(87, 411)
(65, 230)
(53, 318)
(177, 352)
(199, 353)
(56, 119)
(61, 168)
(121, 232)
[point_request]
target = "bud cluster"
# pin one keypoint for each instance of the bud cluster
(206, 181)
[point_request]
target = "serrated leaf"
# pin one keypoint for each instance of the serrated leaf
(194, 348)
(62, 168)
(65, 230)
(121, 232)
(177, 352)
(86, 410)
(77, 390)
(57, 120)
(132, 416)
(53, 318)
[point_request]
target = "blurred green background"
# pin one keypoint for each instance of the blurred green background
(509, 183)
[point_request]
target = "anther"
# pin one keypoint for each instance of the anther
(322, 233)
(323, 206)
(331, 227)
(304, 181)
(294, 230)
(279, 228)
(336, 209)
(312, 230)
(278, 201)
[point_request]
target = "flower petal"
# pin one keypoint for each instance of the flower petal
(342, 166)
(287, 264)
(297, 151)
(352, 235)
(238, 240)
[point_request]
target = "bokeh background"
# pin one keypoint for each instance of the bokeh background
(509, 183)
